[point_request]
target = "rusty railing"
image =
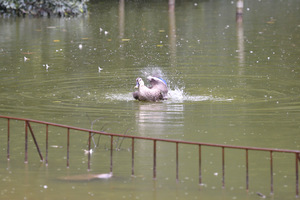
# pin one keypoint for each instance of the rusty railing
(155, 140)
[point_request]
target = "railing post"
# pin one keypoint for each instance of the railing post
(177, 167)
(34, 140)
(46, 144)
(89, 153)
(200, 175)
(271, 170)
(247, 171)
(223, 167)
(68, 147)
(154, 159)
(297, 174)
(26, 142)
(111, 153)
(132, 157)
(8, 138)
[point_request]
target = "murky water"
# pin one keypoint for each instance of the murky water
(230, 83)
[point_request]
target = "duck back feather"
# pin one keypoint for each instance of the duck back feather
(157, 90)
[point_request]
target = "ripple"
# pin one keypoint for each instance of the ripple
(120, 97)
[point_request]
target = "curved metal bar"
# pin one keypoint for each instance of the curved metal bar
(151, 138)
(155, 140)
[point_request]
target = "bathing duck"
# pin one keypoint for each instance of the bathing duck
(157, 90)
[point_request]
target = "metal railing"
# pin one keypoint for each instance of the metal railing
(155, 140)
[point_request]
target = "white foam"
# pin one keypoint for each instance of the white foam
(105, 176)
(178, 95)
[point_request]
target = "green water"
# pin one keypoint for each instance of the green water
(230, 83)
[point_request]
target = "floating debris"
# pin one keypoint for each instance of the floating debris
(261, 195)
(86, 177)
(88, 151)
(101, 30)
(56, 146)
(80, 46)
(47, 66)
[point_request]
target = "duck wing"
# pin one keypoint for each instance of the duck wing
(159, 84)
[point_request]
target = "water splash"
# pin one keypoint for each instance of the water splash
(176, 92)
(177, 95)
(153, 71)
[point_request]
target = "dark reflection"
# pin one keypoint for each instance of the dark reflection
(121, 18)
(172, 33)
(239, 10)
(240, 34)
(240, 42)
(171, 5)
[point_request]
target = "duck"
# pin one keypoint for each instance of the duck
(158, 89)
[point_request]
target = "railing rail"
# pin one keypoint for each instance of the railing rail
(155, 140)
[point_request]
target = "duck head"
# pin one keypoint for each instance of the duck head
(139, 82)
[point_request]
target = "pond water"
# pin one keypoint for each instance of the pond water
(230, 83)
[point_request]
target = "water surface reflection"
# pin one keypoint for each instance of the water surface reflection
(160, 118)
(230, 83)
